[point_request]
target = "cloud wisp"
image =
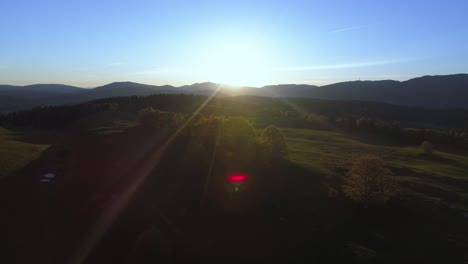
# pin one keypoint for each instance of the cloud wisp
(339, 66)
(348, 29)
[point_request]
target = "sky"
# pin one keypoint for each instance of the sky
(89, 43)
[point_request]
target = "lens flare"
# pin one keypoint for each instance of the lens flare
(237, 178)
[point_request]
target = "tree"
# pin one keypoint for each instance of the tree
(156, 119)
(238, 141)
(147, 116)
(362, 123)
(196, 118)
(427, 147)
(273, 140)
(369, 182)
(206, 131)
(238, 130)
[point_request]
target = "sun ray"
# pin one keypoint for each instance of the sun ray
(141, 170)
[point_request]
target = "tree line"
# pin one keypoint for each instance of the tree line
(405, 124)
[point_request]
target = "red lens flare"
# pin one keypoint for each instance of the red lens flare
(237, 178)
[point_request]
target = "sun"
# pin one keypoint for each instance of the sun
(238, 62)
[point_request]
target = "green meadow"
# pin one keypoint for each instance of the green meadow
(443, 177)
(16, 152)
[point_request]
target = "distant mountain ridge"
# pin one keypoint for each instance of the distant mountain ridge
(427, 91)
(38, 90)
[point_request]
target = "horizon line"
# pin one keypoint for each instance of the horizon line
(237, 86)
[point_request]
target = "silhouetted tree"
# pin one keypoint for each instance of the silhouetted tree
(146, 116)
(238, 141)
(427, 147)
(206, 131)
(274, 143)
(362, 123)
(369, 182)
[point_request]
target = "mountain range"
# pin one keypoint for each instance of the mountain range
(442, 91)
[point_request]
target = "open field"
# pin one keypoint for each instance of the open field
(443, 177)
(16, 153)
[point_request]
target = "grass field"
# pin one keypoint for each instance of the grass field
(299, 217)
(442, 178)
(20, 147)
(15, 153)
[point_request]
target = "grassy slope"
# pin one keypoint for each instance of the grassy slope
(19, 148)
(444, 177)
(15, 153)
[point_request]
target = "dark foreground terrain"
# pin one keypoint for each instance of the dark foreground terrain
(128, 190)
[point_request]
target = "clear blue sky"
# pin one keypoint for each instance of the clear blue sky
(89, 42)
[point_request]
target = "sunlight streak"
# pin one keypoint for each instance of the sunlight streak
(141, 170)
(210, 170)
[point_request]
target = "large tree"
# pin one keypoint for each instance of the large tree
(369, 182)
(273, 140)
(237, 141)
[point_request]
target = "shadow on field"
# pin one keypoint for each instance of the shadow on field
(372, 139)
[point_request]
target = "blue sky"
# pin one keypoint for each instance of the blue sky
(89, 43)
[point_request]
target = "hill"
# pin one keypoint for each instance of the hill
(37, 89)
(427, 91)
(14, 98)
(114, 90)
